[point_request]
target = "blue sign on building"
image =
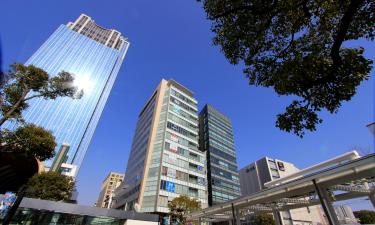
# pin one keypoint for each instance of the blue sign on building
(169, 186)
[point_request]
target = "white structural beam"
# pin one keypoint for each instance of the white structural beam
(337, 160)
(345, 172)
(350, 188)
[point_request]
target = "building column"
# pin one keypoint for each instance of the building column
(199, 221)
(277, 217)
(372, 199)
(238, 216)
(326, 205)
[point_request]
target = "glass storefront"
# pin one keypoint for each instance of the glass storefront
(44, 217)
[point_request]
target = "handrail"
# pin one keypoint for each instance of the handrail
(337, 160)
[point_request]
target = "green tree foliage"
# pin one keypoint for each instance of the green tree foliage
(28, 82)
(264, 219)
(297, 48)
(181, 206)
(22, 84)
(50, 186)
(365, 216)
(30, 140)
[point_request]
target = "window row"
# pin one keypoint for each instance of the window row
(222, 154)
(173, 160)
(182, 97)
(218, 145)
(222, 139)
(183, 105)
(181, 189)
(172, 147)
(223, 173)
(180, 112)
(173, 173)
(182, 122)
(212, 126)
(181, 130)
(218, 123)
(219, 196)
(181, 141)
(223, 164)
(222, 184)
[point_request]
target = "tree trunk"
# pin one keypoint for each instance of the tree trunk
(14, 107)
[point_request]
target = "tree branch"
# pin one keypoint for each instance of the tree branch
(34, 96)
(345, 22)
(41, 95)
(8, 114)
(306, 9)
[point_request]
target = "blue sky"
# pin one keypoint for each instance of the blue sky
(172, 39)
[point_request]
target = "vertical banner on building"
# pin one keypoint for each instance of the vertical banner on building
(174, 138)
(173, 147)
(6, 202)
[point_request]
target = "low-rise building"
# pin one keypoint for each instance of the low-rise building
(111, 182)
(254, 176)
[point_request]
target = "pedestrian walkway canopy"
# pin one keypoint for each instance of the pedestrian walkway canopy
(36, 211)
(345, 177)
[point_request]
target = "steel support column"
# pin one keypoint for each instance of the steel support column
(276, 215)
(326, 205)
(233, 216)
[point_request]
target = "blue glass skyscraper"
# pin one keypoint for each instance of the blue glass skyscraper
(94, 55)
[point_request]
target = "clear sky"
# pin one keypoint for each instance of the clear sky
(172, 39)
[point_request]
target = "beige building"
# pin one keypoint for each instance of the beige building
(111, 182)
(254, 176)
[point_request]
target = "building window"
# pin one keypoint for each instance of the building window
(163, 201)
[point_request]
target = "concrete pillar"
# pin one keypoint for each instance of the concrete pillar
(199, 221)
(238, 216)
(326, 204)
(276, 215)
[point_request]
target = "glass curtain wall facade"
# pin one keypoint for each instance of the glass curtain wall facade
(216, 139)
(165, 161)
(94, 56)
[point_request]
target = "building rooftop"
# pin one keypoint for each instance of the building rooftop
(86, 26)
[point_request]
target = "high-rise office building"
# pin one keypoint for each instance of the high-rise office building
(254, 176)
(111, 182)
(94, 55)
(216, 139)
(164, 161)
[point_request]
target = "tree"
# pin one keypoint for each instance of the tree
(22, 84)
(50, 186)
(181, 206)
(264, 219)
(365, 216)
(297, 48)
(27, 82)
(30, 140)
